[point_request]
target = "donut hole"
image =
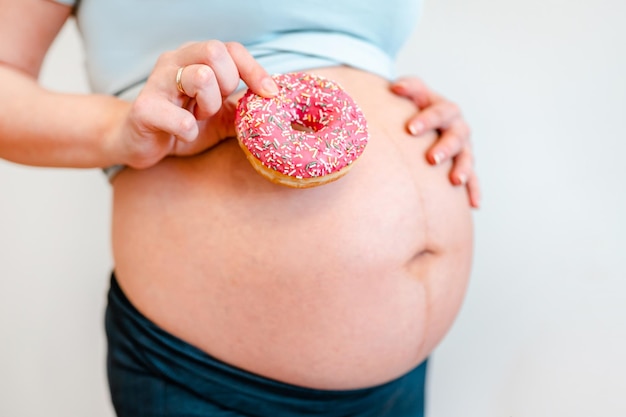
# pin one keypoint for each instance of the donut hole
(295, 125)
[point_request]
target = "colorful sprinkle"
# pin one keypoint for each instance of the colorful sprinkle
(339, 128)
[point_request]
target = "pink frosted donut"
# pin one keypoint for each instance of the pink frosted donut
(309, 134)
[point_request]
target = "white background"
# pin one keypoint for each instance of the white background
(543, 328)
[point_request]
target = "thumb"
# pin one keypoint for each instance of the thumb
(217, 128)
(222, 124)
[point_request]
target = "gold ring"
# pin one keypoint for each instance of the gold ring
(179, 80)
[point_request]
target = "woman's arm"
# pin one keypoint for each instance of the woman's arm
(38, 127)
(44, 128)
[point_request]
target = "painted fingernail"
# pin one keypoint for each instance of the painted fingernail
(270, 87)
(416, 128)
(438, 157)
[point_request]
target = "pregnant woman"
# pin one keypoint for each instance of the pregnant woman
(234, 296)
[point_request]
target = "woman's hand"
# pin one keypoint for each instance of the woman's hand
(437, 113)
(183, 108)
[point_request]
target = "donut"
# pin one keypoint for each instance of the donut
(309, 134)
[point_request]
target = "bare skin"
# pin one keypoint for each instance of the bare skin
(342, 286)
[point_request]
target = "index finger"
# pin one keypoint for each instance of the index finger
(230, 62)
(415, 90)
(251, 72)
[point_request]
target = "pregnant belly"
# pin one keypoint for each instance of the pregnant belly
(336, 287)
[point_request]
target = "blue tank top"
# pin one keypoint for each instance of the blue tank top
(123, 38)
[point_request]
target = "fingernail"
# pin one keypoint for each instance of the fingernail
(462, 179)
(399, 85)
(270, 87)
(416, 128)
(438, 157)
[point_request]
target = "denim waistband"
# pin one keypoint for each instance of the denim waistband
(139, 348)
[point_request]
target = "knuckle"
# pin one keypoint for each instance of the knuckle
(186, 124)
(166, 57)
(453, 141)
(204, 76)
(141, 108)
(214, 50)
(234, 47)
(438, 114)
(460, 129)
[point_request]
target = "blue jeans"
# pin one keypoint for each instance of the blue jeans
(153, 373)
